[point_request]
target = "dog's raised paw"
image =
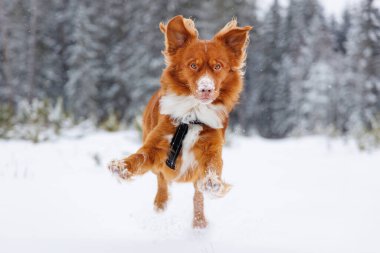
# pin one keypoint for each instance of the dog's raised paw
(119, 169)
(212, 186)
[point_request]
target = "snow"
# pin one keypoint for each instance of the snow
(296, 195)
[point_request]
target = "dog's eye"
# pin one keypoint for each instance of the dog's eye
(193, 66)
(217, 66)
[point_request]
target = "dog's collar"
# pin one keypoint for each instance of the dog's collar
(176, 142)
(195, 122)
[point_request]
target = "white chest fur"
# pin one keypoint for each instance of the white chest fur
(188, 108)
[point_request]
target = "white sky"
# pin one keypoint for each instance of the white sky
(330, 6)
(337, 6)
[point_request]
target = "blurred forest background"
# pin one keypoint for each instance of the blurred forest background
(63, 63)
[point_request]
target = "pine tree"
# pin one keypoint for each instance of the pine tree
(343, 90)
(342, 31)
(14, 46)
(318, 107)
(6, 75)
(292, 69)
(53, 40)
(85, 67)
(308, 49)
(363, 54)
(274, 92)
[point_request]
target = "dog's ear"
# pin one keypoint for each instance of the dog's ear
(178, 32)
(234, 38)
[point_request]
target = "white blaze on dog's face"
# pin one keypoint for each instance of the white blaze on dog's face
(203, 68)
(205, 91)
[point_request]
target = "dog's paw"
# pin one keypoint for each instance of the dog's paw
(160, 202)
(160, 207)
(213, 186)
(119, 169)
(200, 222)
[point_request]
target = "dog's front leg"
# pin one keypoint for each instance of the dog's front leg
(143, 160)
(210, 181)
(132, 165)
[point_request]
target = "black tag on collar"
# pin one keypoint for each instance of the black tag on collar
(176, 142)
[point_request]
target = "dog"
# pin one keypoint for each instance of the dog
(185, 121)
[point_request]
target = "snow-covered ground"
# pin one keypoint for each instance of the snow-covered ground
(298, 195)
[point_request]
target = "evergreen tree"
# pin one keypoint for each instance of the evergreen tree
(308, 48)
(341, 31)
(53, 41)
(274, 92)
(363, 55)
(85, 66)
(102, 60)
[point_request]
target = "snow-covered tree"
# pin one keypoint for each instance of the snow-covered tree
(6, 75)
(85, 65)
(273, 94)
(102, 60)
(363, 54)
(307, 58)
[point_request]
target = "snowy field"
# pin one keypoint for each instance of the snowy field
(299, 195)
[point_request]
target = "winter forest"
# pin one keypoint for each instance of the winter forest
(302, 150)
(63, 63)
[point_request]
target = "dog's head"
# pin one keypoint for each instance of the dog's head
(202, 68)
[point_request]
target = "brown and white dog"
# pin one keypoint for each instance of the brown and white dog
(199, 87)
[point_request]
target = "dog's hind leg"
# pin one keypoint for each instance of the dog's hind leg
(162, 195)
(199, 220)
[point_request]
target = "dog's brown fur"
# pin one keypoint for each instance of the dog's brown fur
(182, 48)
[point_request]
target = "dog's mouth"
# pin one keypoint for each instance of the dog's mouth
(203, 99)
(206, 101)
